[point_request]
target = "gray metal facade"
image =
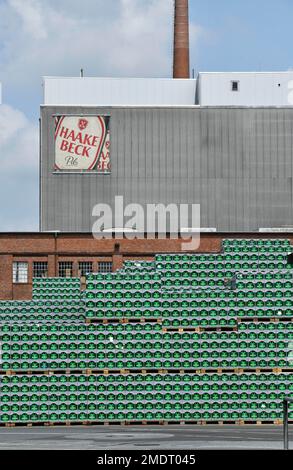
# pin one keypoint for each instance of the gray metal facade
(236, 162)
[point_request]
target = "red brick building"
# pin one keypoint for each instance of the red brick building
(24, 256)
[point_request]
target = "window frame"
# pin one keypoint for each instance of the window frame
(36, 267)
(233, 82)
(62, 270)
(18, 276)
(81, 270)
(104, 264)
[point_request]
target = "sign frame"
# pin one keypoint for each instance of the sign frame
(105, 122)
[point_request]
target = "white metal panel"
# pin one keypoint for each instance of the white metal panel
(255, 89)
(119, 92)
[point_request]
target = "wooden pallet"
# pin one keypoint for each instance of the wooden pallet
(106, 321)
(198, 329)
(144, 371)
(146, 423)
(275, 319)
(276, 422)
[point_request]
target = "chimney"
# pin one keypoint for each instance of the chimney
(181, 40)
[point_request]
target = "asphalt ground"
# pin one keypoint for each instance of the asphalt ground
(169, 437)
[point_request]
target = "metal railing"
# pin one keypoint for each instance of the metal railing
(286, 402)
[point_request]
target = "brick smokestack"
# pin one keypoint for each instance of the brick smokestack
(181, 65)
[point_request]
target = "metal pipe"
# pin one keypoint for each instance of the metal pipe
(285, 427)
(286, 402)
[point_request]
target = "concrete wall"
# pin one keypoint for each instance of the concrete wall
(236, 163)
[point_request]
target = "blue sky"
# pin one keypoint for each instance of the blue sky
(243, 35)
(113, 38)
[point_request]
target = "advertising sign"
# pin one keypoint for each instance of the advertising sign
(82, 143)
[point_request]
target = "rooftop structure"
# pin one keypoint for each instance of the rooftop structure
(215, 89)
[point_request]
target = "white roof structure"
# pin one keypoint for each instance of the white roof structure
(253, 89)
(214, 89)
(90, 91)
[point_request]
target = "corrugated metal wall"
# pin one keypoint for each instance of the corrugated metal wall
(237, 163)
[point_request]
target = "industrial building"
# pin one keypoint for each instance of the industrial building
(220, 140)
(152, 334)
(178, 141)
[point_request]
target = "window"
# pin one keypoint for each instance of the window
(85, 267)
(105, 267)
(65, 269)
(235, 86)
(40, 269)
(20, 273)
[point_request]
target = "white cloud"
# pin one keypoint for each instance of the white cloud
(18, 171)
(105, 38)
(58, 37)
(10, 122)
(31, 16)
(121, 37)
(18, 142)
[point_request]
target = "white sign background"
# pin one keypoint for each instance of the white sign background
(80, 142)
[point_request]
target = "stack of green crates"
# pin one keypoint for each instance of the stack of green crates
(166, 340)
(79, 346)
(138, 397)
(53, 300)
